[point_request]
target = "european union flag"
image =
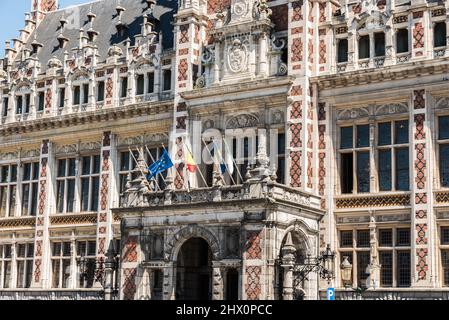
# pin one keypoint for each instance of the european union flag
(164, 163)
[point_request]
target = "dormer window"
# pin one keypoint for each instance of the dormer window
(76, 95)
(379, 44)
(364, 47)
(167, 79)
(81, 94)
(23, 103)
(342, 50)
(402, 41)
(150, 82)
(140, 87)
(61, 95)
(40, 101)
(5, 107)
(100, 91)
(124, 87)
(439, 34)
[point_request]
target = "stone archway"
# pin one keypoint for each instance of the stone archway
(194, 271)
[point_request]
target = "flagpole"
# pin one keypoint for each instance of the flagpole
(152, 159)
(202, 177)
(233, 160)
(226, 165)
(210, 153)
(176, 169)
(137, 163)
(146, 164)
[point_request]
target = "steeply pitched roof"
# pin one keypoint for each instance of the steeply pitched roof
(104, 23)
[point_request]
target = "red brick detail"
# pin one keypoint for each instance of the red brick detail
(419, 122)
(297, 11)
(418, 36)
(295, 130)
(419, 102)
(253, 249)
(253, 287)
(129, 284)
(296, 111)
(421, 265)
(184, 34)
(295, 169)
(421, 231)
(420, 166)
(130, 249)
(421, 198)
(421, 214)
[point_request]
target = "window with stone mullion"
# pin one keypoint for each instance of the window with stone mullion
(30, 186)
(5, 266)
(61, 264)
(25, 252)
(87, 250)
(65, 185)
(443, 154)
(90, 182)
(8, 190)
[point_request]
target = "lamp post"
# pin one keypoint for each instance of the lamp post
(110, 267)
(346, 272)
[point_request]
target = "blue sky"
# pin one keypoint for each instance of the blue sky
(12, 17)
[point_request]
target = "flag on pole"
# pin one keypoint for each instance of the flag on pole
(191, 164)
(227, 162)
(163, 164)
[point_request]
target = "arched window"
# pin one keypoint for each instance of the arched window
(342, 51)
(402, 41)
(439, 34)
(364, 47)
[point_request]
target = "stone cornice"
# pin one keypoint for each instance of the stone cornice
(389, 73)
(96, 116)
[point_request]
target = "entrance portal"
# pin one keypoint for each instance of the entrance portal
(194, 271)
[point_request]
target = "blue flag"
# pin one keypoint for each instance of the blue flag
(164, 163)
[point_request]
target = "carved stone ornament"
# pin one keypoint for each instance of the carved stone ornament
(54, 62)
(355, 113)
(394, 108)
(237, 56)
(72, 148)
(115, 51)
(243, 121)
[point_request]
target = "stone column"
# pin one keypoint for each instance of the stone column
(288, 263)
(373, 269)
(169, 285)
(263, 71)
(217, 281)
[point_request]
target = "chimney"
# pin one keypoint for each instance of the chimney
(40, 7)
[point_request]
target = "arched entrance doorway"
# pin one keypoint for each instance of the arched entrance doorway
(194, 271)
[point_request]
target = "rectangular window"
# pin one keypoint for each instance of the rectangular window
(386, 271)
(403, 268)
(167, 79)
(363, 239)
(5, 107)
(76, 95)
(384, 169)
(403, 237)
(346, 138)
(8, 189)
(30, 185)
(65, 185)
(100, 91)
(444, 239)
(281, 158)
(402, 41)
(385, 238)
(87, 250)
(379, 44)
(363, 260)
(140, 88)
(27, 103)
(401, 132)
(347, 174)
(25, 253)
(346, 239)
(443, 128)
(85, 93)
(439, 34)
(444, 165)
(61, 257)
(445, 266)
(41, 101)
(90, 181)
(364, 47)
(363, 172)
(124, 87)
(384, 134)
(5, 266)
(402, 169)
(19, 104)
(363, 136)
(150, 82)
(342, 55)
(61, 98)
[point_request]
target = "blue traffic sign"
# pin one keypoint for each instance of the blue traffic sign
(330, 293)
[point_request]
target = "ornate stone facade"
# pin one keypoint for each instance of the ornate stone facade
(86, 108)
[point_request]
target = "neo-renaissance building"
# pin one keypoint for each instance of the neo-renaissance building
(336, 114)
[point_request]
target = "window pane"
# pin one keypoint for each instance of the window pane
(25, 199)
(95, 191)
(364, 48)
(402, 169)
(3, 197)
(34, 194)
(385, 237)
(85, 194)
(403, 268)
(66, 249)
(444, 165)
(96, 164)
(363, 258)
(28, 273)
(12, 201)
(85, 93)
(363, 238)
(66, 273)
(384, 134)
(124, 161)
(363, 172)
(402, 41)
(60, 186)
(26, 172)
(439, 34)
(100, 89)
(445, 266)
(20, 273)
(443, 127)
(6, 274)
(86, 166)
(401, 132)
(346, 239)
(55, 273)
(150, 82)
(363, 136)
(386, 271)
(61, 168)
(36, 171)
(403, 237)
(379, 44)
(91, 248)
(445, 235)
(13, 177)
(72, 168)
(140, 84)
(342, 50)
(347, 174)
(124, 91)
(70, 195)
(385, 178)
(76, 95)
(346, 138)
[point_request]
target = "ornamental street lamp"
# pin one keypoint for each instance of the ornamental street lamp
(346, 272)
